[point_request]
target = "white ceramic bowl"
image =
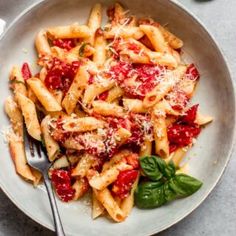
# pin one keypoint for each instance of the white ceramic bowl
(215, 94)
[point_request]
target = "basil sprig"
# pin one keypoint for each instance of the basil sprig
(163, 184)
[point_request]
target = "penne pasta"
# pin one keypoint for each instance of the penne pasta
(81, 124)
(17, 152)
(30, 116)
(81, 187)
(83, 166)
(134, 105)
(76, 89)
(106, 199)
(169, 81)
(41, 43)
(94, 21)
(124, 32)
(203, 119)
(99, 56)
(113, 94)
(51, 145)
(156, 38)
(69, 31)
(15, 116)
(102, 180)
(107, 109)
(93, 90)
(97, 207)
(44, 96)
(160, 132)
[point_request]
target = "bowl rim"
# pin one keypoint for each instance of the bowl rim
(231, 150)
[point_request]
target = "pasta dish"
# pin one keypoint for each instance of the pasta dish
(111, 104)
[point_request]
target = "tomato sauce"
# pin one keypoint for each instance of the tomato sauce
(61, 180)
(122, 186)
(60, 74)
(25, 70)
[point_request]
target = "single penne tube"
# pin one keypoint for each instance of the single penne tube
(17, 81)
(82, 50)
(51, 145)
(156, 38)
(113, 209)
(42, 44)
(30, 116)
(114, 93)
(105, 178)
(166, 84)
(188, 86)
(93, 90)
(128, 203)
(71, 143)
(172, 39)
(107, 109)
(165, 106)
(81, 187)
(15, 116)
(60, 162)
(83, 165)
(119, 13)
(116, 159)
(146, 148)
(178, 156)
(97, 207)
(76, 89)
(17, 152)
(64, 55)
(31, 95)
(69, 31)
(37, 175)
(82, 124)
(134, 105)
(99, 56)
(124, 32)
(44, 96)
(58, 94)
(42, 74)
(203, 119)
(160, 132)
(163, 59)
(122, 135)
(94, 21)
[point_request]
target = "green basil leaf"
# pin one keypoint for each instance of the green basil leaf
(184, 185)
(170, 170)
(153, 167)
(170, 194)
(150, 195)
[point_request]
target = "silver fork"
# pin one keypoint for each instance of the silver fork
(37, 158)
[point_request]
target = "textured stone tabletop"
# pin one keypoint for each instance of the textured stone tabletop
(217, 215)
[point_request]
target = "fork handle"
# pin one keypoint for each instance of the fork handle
(52, 200)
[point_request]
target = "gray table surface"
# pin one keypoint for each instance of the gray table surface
(217, 215)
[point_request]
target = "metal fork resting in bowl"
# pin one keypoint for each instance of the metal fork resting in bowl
(37, 158)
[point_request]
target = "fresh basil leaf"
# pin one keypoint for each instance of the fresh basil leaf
(170, 194)
(184, 185)
(170, 170)
(150, 195)
(153, 167)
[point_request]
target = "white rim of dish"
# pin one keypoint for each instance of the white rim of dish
(230, 152)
